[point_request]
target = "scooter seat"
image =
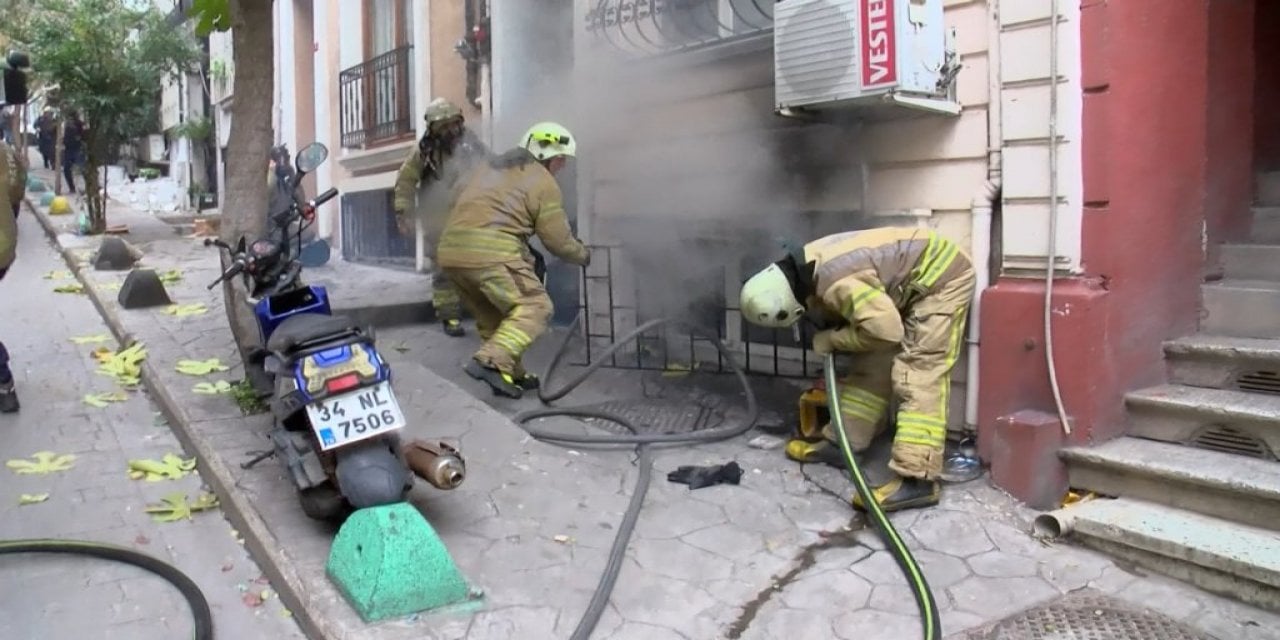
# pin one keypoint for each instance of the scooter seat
(308, 327)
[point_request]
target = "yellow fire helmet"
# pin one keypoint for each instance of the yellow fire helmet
(768, 301)
(547, 140)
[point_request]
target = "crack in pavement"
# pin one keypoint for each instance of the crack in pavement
(806, 558)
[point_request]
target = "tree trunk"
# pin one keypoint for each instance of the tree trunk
(248, 148)
(93, 196)
(57, 158)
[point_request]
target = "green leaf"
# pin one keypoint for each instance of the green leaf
(211, 15)
(171, 467)
(183, 310)
(101, 337)
(42, 462)
(32, 498)
(171, 276)
(174, 506)
(74, 287)
(200, 367)
(101, 400)
(214, 388)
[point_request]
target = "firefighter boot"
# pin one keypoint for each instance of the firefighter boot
(902, 493)
(503, 384)
(453, 328)
(824, 451)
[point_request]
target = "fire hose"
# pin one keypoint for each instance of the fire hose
(200, 613)
(642, 442)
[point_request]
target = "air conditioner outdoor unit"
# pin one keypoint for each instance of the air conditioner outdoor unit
(851, 53)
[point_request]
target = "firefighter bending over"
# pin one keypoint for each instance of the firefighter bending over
(898, 298)
(485, 253)
(432, 173)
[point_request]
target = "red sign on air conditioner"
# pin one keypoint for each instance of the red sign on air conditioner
(879, 37)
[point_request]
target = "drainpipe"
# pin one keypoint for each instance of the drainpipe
(980, 216)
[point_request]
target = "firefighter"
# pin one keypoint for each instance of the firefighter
(898, 298)
(484, 251)
(432, 173)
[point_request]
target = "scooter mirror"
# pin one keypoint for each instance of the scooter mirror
(311, 157)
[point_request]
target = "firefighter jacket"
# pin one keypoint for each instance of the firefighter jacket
(425, 169)
(865, 281)
(503, 203)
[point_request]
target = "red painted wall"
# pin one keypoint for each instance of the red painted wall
(1267, 104)
(1156, 149)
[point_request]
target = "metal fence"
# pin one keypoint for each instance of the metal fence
(376, 98)
(611, 307)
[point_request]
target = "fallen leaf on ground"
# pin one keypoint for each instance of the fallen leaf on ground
(171, 467)
(42, 462)
(109, 286)
(175, 507)
(200, 367)
(678, 370)
(125, 366)
(32, 498)
(171, 276)
(227, 567)
(101, 337)
(74, 287)
(252, 600)
(562, 539)
(59, 275)
(141, 539)
(183, 310)
(101, 400)
(212, 388)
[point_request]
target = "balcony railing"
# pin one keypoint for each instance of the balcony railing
(377, 98)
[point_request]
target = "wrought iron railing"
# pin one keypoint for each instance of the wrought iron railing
(376, 99)
(660, 26)
(610, 309)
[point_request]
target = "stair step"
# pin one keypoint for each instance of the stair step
(1251, 261)
(1222, 485)
(1227, 558)
(1221, 362)
(1242, 308)
(1216, 418)
(1267, 191)
(1266, 224)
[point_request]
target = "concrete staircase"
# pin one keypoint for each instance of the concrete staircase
(1197, 479)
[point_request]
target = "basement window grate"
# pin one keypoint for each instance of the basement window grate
(1234, 441)
(1260, 382)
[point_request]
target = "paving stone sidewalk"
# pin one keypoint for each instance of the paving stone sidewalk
(52, 597)
(773, 558)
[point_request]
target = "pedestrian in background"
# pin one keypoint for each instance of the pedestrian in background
(46, 137)
(72, 147)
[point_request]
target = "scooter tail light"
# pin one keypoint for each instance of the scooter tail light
(342, 383)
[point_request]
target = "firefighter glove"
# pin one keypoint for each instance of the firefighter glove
(822, 342)
(699, 477)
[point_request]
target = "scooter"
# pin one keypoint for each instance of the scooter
(336, 417)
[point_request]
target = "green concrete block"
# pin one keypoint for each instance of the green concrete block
(36, 185)
(46, 198)
(389, 562)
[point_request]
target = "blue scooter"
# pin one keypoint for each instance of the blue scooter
(336, 416)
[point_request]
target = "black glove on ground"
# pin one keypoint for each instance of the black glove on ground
(699, 477)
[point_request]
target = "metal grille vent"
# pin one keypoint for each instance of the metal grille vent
(1228, 440)
(1090, 618)
(1260, 382)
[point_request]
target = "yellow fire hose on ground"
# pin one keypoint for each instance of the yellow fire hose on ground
(893, 542)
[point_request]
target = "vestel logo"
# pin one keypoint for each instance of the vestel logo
(879, 59)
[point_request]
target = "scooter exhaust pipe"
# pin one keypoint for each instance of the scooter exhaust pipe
(436, 462)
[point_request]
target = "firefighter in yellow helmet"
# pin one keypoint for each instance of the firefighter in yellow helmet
(484, 251)
(429, 178)
(898, 298)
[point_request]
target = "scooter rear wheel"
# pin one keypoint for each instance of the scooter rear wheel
(324, 502)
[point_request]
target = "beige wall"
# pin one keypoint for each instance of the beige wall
(448, 70)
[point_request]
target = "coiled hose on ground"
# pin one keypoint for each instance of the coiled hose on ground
(200, 613)
(609, 577)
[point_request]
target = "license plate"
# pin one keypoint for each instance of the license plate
(351, 417)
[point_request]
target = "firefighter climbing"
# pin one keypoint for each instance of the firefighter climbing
(433, 172)
(484, 251)
(898, 298)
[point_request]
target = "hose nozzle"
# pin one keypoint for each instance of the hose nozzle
(436, 462)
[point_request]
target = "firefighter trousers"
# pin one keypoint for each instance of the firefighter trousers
(918, 375)
(511, 308)
(444, 296)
